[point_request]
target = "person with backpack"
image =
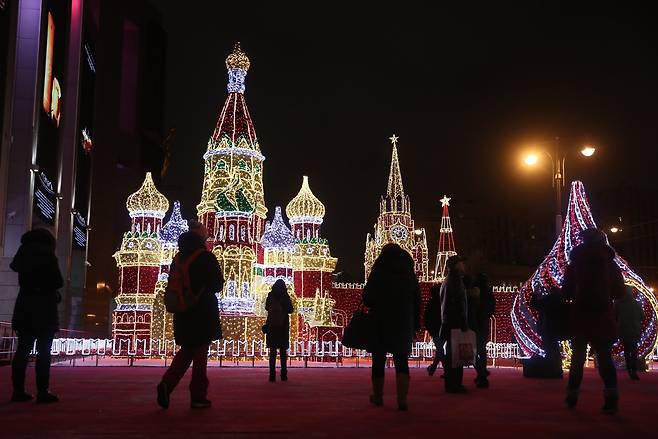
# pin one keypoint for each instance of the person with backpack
(194, 279)
(592, 281)
(277, 327)
(35, 317)
(432, 318)
(392, 296)
(629, 321)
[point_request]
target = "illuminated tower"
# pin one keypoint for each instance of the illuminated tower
(138, 260)
(232, 202)
(395, 225)
(162, 321)
(446, 242)
(278, 247)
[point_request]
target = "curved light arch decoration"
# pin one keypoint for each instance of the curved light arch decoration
(550, 274)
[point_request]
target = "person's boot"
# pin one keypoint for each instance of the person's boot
(21, 396)
(402, 387)
(611, 401)
(377, 396)
(284, 374)
(272, 375)
(163, 395)
(571, 399)
(633, 374)
(45, 397)
(201, 403)
(431, 369)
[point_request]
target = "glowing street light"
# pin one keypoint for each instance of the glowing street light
(615, 229)
(531, 159)
(588, 151)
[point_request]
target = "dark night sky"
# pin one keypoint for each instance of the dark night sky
(464, 91)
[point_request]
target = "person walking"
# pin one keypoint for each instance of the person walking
(629, 320)
(35, 315)
(196, 327)
(392, 295)
(486, 306)
(454, 315)
(592, 281)
(277, 327)
(432, 319)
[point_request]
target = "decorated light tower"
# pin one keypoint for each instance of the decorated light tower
(395, 225)
(312, 260)
(138, 260)
(550, 275)
(278, 247)
(446, 242)
(162, 321)
(232, 201)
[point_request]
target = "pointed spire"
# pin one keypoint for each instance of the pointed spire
(446, 242)
(277, 234)
(175, 227)
(395, 188)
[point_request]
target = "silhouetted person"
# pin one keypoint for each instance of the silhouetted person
(35, 313)
(482, 312)
(278, 306)
(549, 323)
(393, 298)
(196, 327)
(433, 325)
(454, 315)
(629, 320)
(593, 280)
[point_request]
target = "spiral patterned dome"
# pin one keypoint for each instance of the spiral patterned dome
(237, 59)
(147, 201)
(305, 207)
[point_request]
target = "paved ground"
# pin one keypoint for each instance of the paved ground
(103, 402)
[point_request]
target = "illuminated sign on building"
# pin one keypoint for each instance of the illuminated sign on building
(45, 198)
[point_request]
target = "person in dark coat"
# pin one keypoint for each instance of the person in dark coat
(592, 281)
(196, 327)
(454, 315)
(550, 325)
(35, 312)
(486, 306)
(278, 306)
(432, 318)
(392, 295)
(629, 315)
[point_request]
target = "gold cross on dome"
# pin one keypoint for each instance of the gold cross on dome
(394, 139)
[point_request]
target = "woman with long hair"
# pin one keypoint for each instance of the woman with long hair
(277, 327)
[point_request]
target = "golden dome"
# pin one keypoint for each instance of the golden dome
(237, 59)
(147, 201)
(305, 207)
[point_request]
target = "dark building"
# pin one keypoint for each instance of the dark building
(129, 103)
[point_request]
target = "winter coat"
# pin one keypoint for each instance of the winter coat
(278, 337)
(629, 314)
(486, 304)
(592, 281)
(432, 316)
(392, 295)
(199, 324)
(454, 306)
(39, 278)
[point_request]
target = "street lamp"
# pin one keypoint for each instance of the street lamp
(557, 159)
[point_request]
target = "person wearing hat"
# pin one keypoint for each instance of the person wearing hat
(592, 281)
(454, 315)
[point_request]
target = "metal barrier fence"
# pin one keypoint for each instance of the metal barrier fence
(232, 349)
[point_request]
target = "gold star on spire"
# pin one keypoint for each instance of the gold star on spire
(445, 201)
(394, 139)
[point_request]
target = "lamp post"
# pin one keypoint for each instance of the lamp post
(558, 158)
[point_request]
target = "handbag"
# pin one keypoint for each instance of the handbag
(462, 347)
(359, 332)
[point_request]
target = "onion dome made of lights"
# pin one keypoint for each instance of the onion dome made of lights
(237, 59)
(305, 207)
(175, 227)
(277, 234)
(147, 201)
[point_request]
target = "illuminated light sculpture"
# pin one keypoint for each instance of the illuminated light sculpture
(446, 242)
(232, 199)
(162, 321)
(395, 225)
(550, 274)
(139, 260)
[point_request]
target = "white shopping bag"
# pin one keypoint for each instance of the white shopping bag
(462, 345)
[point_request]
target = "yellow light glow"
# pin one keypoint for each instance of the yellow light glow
(615, 229)
(531, 159)
(588, 151)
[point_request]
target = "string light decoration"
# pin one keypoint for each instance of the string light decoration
(550, 274)
(147, 203)
(446, 242)
(395, 224)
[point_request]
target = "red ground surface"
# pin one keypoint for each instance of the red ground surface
(102, 402)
